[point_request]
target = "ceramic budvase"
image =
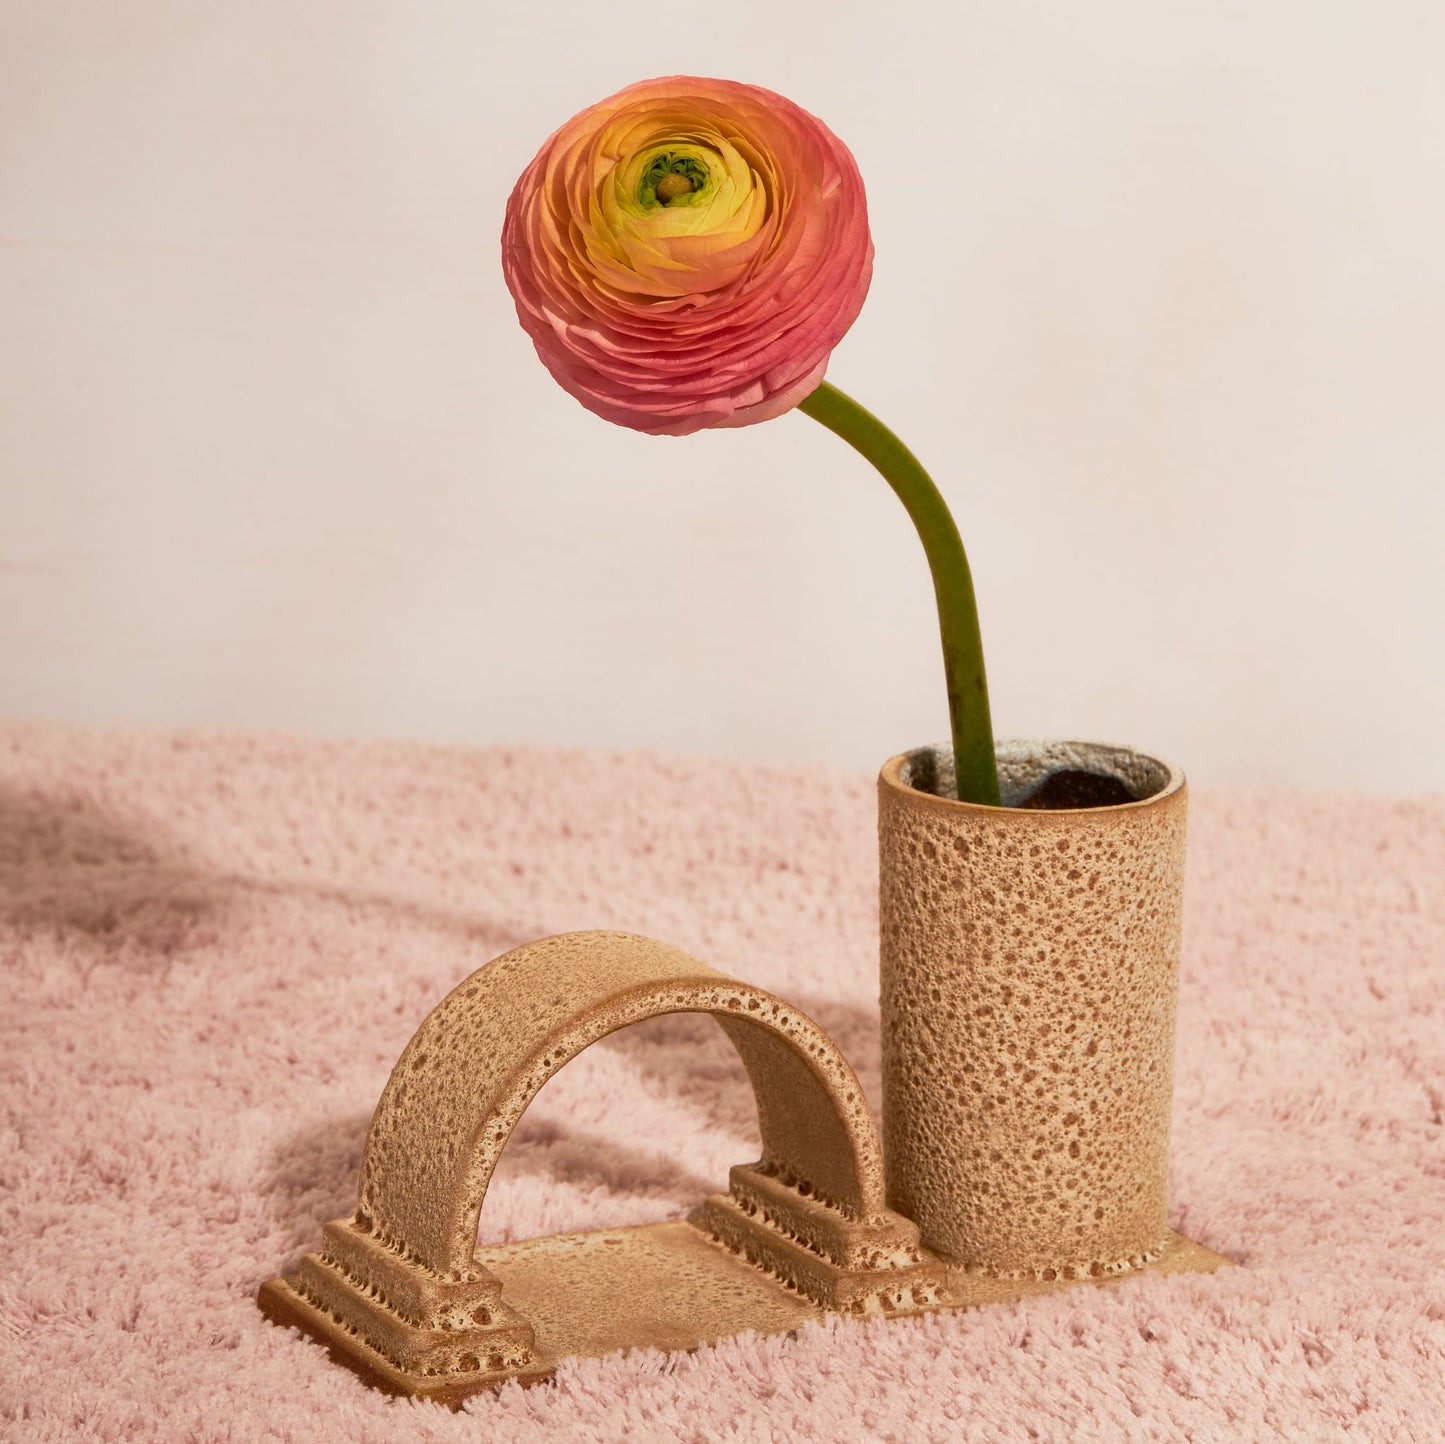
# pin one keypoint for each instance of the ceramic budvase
(1029, 982)
(1029, 972)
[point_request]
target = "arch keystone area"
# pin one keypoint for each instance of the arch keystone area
(400, 1290)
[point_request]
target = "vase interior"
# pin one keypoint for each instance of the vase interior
(1026, 767)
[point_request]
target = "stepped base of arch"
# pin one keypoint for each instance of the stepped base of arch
(668, 1286)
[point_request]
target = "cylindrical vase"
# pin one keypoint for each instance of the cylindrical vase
(1029, 981)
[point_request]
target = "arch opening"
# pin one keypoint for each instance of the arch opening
(634, 1130)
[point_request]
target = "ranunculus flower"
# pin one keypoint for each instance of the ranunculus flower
(687, 254)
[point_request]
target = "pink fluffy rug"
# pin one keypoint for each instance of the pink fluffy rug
(214, 947)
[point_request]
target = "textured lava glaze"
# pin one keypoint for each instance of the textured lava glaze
(398, 1290)
(1028, 992)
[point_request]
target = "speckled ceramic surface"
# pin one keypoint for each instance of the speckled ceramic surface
(1028, 990)
(399, 1288)
(1028, 994)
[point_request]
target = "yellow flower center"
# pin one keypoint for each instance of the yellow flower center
(674, 208)
(674, 185)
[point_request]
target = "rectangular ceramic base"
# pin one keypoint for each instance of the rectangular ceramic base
(657, 1286)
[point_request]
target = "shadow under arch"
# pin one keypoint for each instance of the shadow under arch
(400, 1288)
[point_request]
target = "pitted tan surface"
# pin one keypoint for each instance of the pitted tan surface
(486, 1049)
(1028, 991)
(399, 1291)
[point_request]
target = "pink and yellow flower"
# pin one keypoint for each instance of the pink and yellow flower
(688, 253)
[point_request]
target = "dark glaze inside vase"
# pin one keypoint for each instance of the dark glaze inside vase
(1050, 776)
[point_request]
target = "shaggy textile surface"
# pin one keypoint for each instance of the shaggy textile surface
(214, 947)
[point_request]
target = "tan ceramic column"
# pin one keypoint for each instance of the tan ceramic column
(1029, 981)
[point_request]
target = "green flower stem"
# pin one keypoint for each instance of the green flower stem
(973, 750)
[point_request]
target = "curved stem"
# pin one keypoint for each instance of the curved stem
(973, 751)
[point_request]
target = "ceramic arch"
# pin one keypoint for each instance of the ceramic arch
(398, 1291)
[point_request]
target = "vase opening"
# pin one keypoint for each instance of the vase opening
(1049, 776)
